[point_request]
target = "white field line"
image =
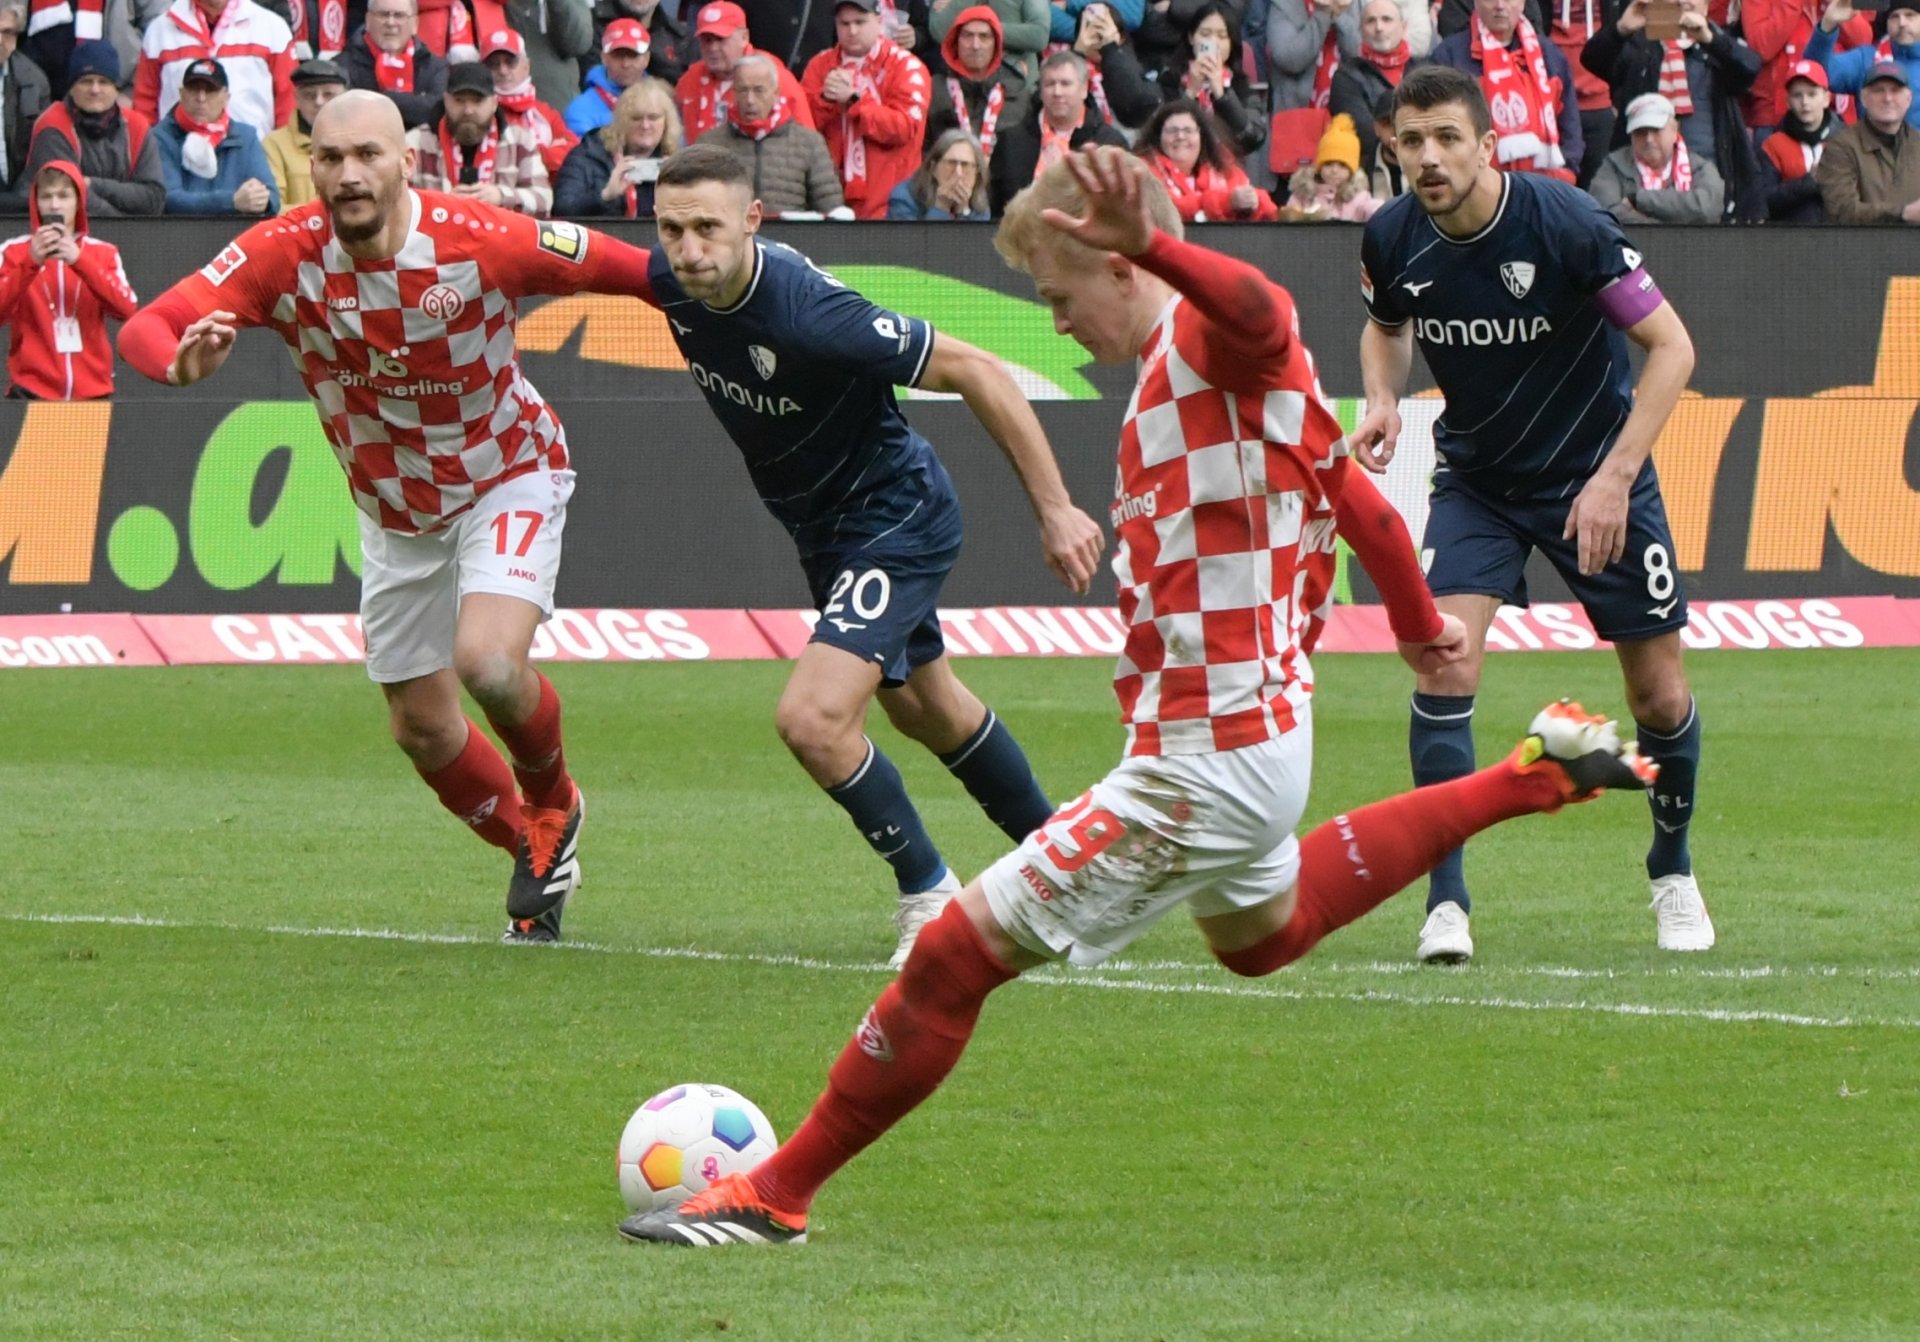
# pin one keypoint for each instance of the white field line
(1101, 979)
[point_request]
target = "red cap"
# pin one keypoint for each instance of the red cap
(1811, 71)
(626, 35)
(503, 39)
(721, 19)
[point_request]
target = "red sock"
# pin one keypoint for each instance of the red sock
(902, 1051)
(1355, 862)
(478, 787)
(537, 759)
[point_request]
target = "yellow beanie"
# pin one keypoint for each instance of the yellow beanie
(1339, 143)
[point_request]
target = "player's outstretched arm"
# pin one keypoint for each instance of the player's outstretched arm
(1072, 540)
(1386, 359)
(1249, 317)
(1598, 519)
(169, 341)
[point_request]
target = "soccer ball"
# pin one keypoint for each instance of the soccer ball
(686, 1137)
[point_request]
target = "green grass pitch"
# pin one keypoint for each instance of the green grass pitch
(265, 1073)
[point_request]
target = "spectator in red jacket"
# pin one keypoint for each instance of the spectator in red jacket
(705, 91)
(1184, 148)
(868, 96)
(505, 53)
(57, 288)
(1779, 30)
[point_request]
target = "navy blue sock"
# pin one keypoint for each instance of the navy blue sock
(877, 800)
(994, 771)
(1671, 797)
(1440, 742)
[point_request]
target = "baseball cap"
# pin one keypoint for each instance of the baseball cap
(503, 39)
(205, 71)
(626, 35)
(1649, 111)
(1811, 71)
(469, 77)
(319, 70)
(721, 19)
(1893, 70)
(873, 6)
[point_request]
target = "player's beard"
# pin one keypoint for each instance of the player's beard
(361, 232)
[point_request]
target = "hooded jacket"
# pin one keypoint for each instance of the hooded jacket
(943, 114)
(37, 299)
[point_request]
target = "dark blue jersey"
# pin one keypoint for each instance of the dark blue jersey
(801, 372)
(1536, 378)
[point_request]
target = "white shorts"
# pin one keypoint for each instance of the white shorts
(1213, 830)
(507, 544)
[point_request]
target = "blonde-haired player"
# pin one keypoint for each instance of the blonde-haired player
(1228, 455)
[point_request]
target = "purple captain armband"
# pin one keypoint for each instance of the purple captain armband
(1630, 299)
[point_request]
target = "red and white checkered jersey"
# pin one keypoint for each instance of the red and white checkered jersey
(1221, 518)
(411, 361)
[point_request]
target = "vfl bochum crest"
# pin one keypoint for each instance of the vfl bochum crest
(1519, 277)
(763, 360)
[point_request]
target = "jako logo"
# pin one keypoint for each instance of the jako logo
(1345, 827)
(757, 401)
(1129, 506)
(872, 1039)
(1483, 331)
(339, 303)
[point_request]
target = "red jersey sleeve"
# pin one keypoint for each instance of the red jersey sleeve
(1381, 542)
(1249, 324)
(248, 278)
(556, 257)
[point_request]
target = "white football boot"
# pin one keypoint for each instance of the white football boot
(1681, 914)
(1444, 939)
(916, 911)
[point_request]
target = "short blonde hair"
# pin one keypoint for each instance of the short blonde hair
(635, 99)
(1023, 232)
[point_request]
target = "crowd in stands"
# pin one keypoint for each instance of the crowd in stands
(1667, 111)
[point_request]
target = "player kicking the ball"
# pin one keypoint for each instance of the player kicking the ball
(1228, 432)
(800, 371)
(398, 306)
(1522, 293)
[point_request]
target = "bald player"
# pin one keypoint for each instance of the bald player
(398, 307)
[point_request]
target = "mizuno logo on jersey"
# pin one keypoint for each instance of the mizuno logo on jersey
(1483, 330)
(1416, 287)
(760, 402)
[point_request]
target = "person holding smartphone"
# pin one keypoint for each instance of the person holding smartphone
(57, 288)
(611, 173)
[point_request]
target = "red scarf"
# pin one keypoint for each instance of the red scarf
(765, 126)
(1673, 78)
(453, 153)
(86, 16)
(1198, 90)
(203, 137)
(1680, 170)
(394, 73)
(1181, 185)
(1098, 88)
(989, 118)
(1323, 68)
(445, 24)
(1056, 144)
(710, 102)
(1392, 64)
(521, 100)
(333, 27)
(879, 66)
(1521, 97)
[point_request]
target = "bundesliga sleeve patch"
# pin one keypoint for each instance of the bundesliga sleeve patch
(566, 241)
(1366, 284)
(230, 259)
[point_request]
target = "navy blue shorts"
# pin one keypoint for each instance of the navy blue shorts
(1479, 546)
(881, 605)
